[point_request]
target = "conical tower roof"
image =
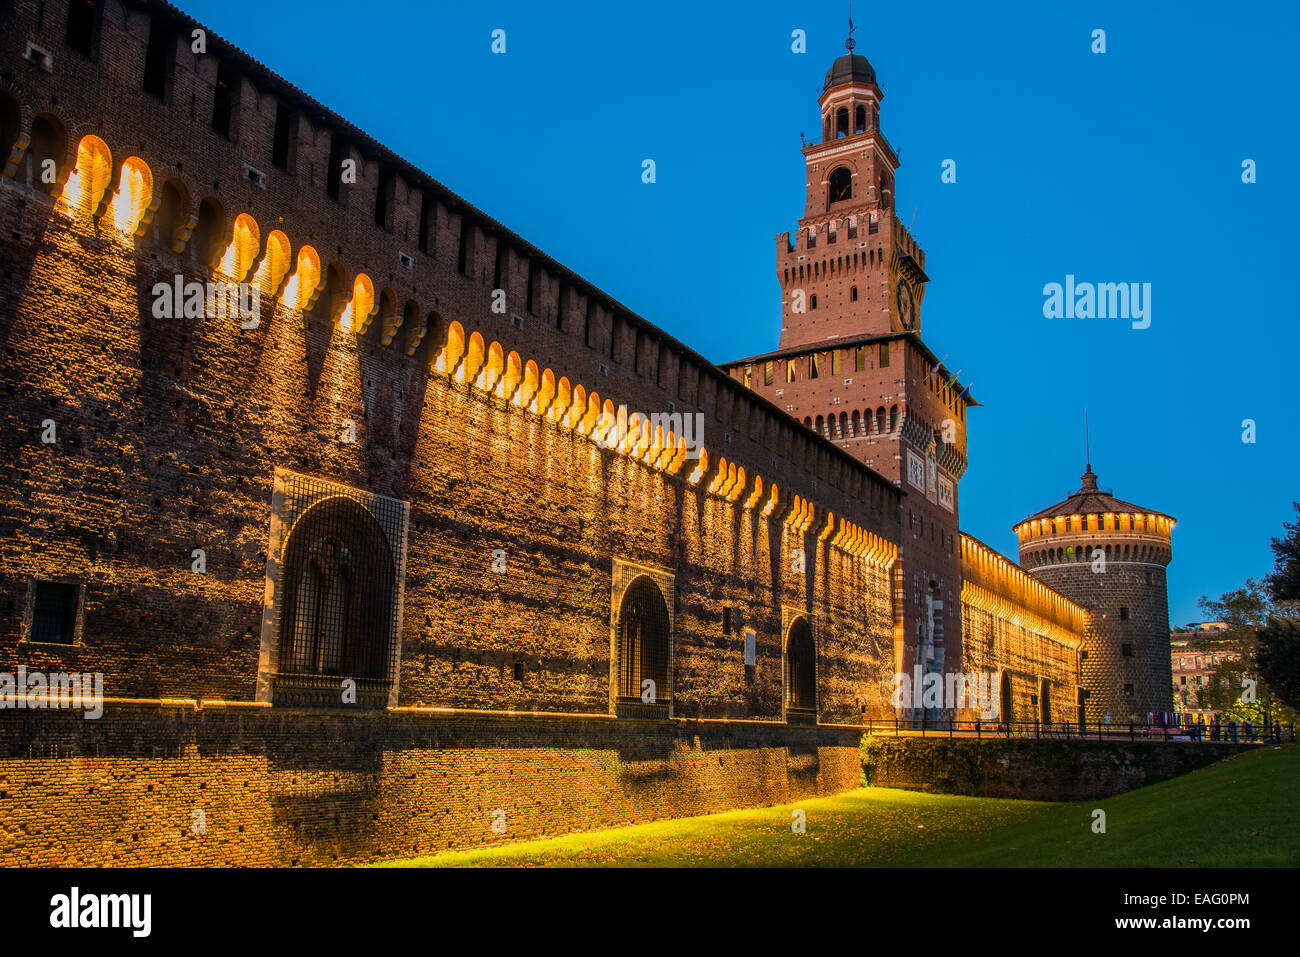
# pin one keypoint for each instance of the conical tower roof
(1089, 499)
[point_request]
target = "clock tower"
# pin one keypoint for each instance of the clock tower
(851, 267)
(851, 365)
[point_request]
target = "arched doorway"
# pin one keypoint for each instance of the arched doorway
(1045, 700)
(336, 613)
(642, 652)
(1006, 709)
(800, 673)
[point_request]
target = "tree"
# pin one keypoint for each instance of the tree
(1244, 610)
(1277, 655)
(1284, 582)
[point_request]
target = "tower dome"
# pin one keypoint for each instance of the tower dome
(1110, 556)
(849, 68)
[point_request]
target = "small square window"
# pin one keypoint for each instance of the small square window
(1126, 650)
(1128, 689)
(1123, 614)
(54, 613)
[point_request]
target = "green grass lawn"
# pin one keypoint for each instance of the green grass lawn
(1239, 813)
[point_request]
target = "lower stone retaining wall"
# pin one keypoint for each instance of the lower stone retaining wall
(1029, 768)
(297, 786)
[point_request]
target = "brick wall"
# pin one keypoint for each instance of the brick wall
(287, 787)
(1031, 769)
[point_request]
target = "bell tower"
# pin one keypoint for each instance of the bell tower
(851, 268)
(851, 364)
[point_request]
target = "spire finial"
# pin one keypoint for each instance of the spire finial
(850, 43)
(1087, 448)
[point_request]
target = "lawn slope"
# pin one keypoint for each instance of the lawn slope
(1239, 813)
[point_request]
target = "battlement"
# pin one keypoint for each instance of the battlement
(230, 186)
(999, 586)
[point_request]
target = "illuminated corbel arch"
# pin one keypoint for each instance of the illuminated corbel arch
(719, 476)
(541, 404)
(723, 481)
(276, 261)
(773, 499)
(829, 527)
(679, 456)
(603, 431)
(664, 447)
(559, 410)
(475, 353)
(576, 410)
(737, 486)
(511, 377)
(841, 533)
(756, 494)
(356, 315)
(629, 431)
(641, 437)
(84, 193)
(587, 424)
(242, 249)
(133, 204)
(810, 514)
(493, 367)
(528, 388)
(304, 286)
(453, 351)
(645, 450)
(701, 467)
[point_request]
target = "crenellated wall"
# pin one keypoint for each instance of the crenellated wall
(1023, 633)
(520, 433)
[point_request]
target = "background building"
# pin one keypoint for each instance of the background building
(1194, 655)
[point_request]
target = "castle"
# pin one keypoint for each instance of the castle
(372, 556)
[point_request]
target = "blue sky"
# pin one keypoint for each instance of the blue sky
(1118, 167)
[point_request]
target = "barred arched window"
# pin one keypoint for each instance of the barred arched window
(643, 644)
(337, 609)
(800, 669)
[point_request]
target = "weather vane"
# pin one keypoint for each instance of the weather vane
(850, 43)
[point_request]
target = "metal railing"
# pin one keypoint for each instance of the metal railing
(1077, 731)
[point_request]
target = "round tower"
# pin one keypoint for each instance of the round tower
(1110, 557)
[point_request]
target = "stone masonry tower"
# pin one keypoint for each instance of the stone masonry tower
(1110, 556)
(851, 364)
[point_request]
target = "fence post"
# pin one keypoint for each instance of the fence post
(1036, 730)
(1131, 736)
(978, 736)
(950, 727)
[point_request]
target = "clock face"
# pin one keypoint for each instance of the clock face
(906, 308)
